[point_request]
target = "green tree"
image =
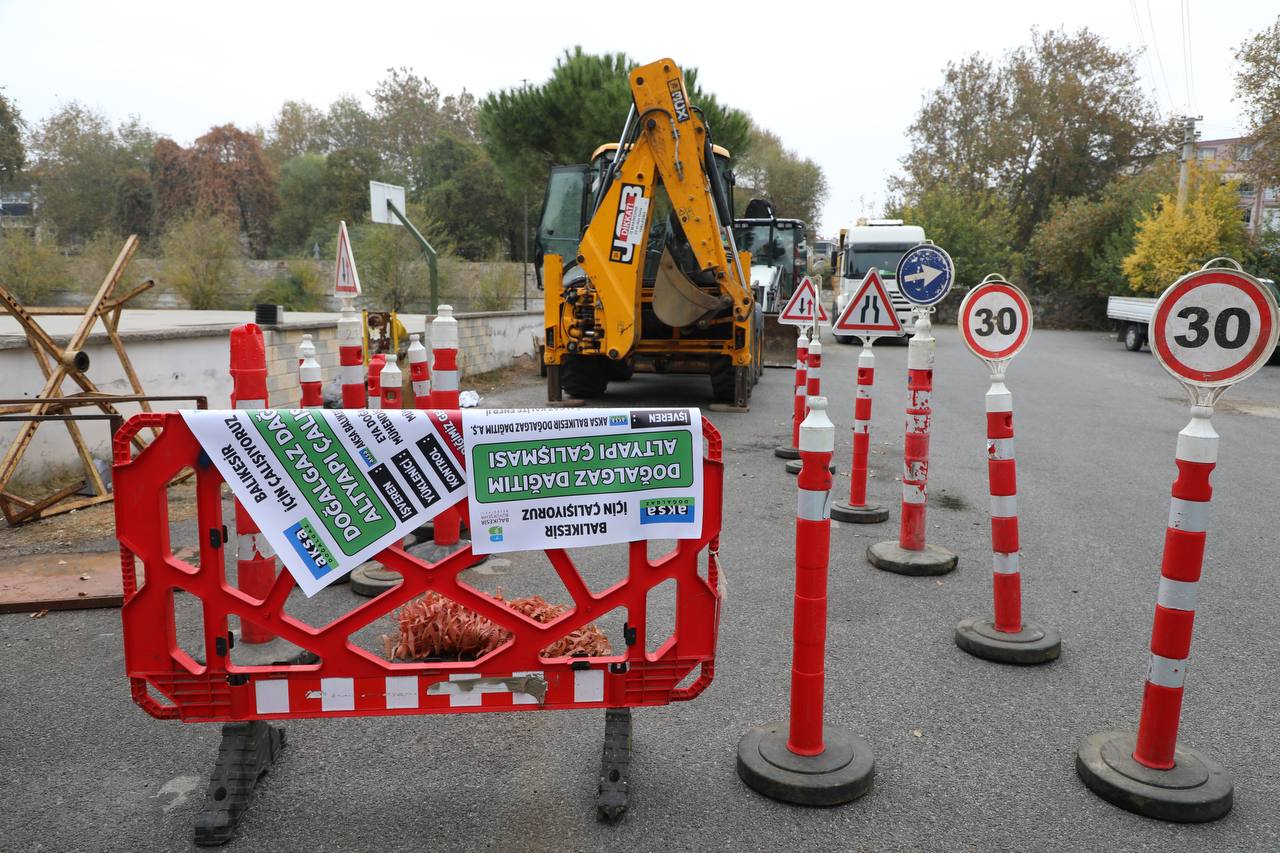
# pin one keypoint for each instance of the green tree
(299, 287)
(30, 268)
(531, 128)
(461, 187)
(796, 185)
(203, 259)
(13, 154)
(347, 175)
(1082, 245)
(1258, 88)
(1052, 120)
(79, 162)
(297, 129)
(976, 229)
(1170, 242)
(303, 205)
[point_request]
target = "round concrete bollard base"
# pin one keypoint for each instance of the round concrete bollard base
(892, 557)
(372, 579)
(783, 452)
(865, 514)
(794, 466)
(841, 773)
(1033, 644)
(1196, 790)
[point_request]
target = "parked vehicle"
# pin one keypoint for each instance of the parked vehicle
(1131, 317)
(878, 243)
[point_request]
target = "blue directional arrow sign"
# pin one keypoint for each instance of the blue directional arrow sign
(925, 274)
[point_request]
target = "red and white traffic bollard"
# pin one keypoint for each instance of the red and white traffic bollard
(447, 529)
(1006, 638)
(351, 359)
(312, 391)
(376, 363)
(813, 388)
(392, 382)
(798, 400)
(419, 373)
(306, 349)
(804, 761)
(857, 510)
(911, 554)
(255, 559)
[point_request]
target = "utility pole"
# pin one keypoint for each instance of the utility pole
(1188, 154)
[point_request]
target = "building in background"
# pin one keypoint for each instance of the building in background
(1260, 205)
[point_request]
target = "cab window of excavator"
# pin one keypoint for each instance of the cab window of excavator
(659, 225)
(560, 228)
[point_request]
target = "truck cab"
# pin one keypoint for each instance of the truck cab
(878, 243)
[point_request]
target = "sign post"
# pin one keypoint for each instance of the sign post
(868, 315)
(1211, 329)
(995, 322)
(924, 277)
(387, 207)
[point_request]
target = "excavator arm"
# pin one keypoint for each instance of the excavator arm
(601, 309)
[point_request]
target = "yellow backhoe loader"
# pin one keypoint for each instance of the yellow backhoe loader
(637, 257)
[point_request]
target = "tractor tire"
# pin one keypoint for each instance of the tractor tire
(723, 379)
(584, 377)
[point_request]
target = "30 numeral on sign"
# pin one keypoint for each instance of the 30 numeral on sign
(1198, 323)
(995, 319)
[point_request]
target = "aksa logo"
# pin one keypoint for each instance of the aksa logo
(678, 99)
(367, 457)
(618, 420)
(632, 210)
(495, 533)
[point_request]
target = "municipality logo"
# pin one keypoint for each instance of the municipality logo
(618, 420)
(495, 533)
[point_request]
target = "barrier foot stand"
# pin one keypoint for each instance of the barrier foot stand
(892, 557)
(865, 514)
(1195, 790)
(794, 466)
(1032, 645)
(615, 766)
(842, 772)
(783, 452)
(247, 751)
(372, 579)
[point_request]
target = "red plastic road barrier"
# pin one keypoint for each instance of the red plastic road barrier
(376, 363)
(802, 385)
(447, 529)
(813, 548)
(1184, 541)
(351, 360)
(915, 453)
(350, 681)
(255, 560)
(419, 373)
(1002, 477)
(309, 377)
(391, 380)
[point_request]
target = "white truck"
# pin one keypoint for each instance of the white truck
(878, 243)
(1131, 315)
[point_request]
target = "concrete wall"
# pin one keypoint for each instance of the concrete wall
(195, 362)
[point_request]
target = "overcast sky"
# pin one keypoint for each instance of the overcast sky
(839, 82)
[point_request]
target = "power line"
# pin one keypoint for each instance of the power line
(1188, 57)
(1155, 43)
(1146, 56)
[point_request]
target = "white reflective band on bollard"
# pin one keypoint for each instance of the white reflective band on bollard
(1167, 672)
(1177, 595)
(912, 494)
(251, 404)
(1004, 506)
(445, 380)
(351, 374)
(1191, 516)
(1004, 564)
(999, 448)
(253, 546)
(813, 505)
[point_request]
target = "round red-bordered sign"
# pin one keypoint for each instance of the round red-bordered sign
(1214, 327)
(995, 320)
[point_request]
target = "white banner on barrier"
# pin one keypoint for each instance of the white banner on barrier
(331, 488)
(551, 478)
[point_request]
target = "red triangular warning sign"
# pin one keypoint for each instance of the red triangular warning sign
(346, 281)
(869, 313)
(803, 305)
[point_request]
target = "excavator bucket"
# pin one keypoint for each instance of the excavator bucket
(779, 342)
(679, 302)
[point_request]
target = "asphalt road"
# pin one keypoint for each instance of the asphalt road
(970, 755)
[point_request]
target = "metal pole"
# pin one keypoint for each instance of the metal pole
(1188, 154)
(428, 250)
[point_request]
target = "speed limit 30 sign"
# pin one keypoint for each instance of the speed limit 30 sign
(995, 320)
(1214, 327)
